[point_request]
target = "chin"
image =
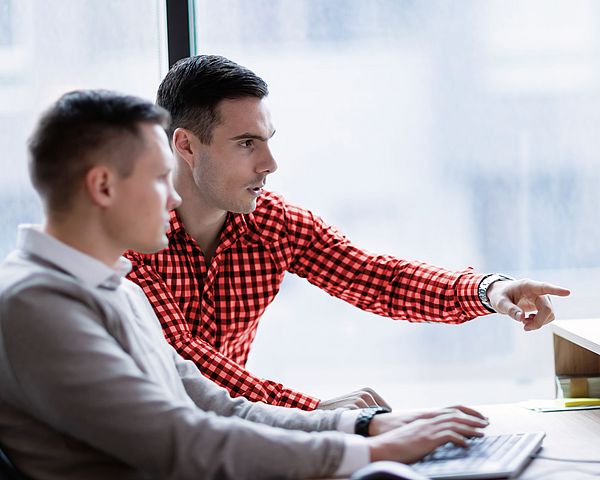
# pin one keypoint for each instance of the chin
(153, 247)
(249, 208)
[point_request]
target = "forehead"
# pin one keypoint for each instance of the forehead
(248, 114)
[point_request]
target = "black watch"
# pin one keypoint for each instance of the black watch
(361, 427)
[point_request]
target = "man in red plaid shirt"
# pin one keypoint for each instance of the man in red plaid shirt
(231, 242)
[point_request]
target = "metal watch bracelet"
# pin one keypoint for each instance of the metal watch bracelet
(484, 285)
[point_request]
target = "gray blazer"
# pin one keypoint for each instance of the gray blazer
(89, 389)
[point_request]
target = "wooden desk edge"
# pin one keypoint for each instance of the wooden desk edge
(575, 354)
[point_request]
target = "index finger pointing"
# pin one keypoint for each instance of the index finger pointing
(549, 289)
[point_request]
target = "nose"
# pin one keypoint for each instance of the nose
(173, 199)
(268, 163)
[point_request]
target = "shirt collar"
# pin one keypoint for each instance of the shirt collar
(236, 224)
(90, 271)
(175, 224)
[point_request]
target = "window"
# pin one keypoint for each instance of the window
(460, 133)
(48, 47)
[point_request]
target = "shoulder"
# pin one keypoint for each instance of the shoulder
(274, 213)
(35, 297)
(134, 291)
(35, 284)
(21, 275)
(140, 300)
(269, 204)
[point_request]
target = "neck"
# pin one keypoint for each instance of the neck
(85, 236)
(202, 221)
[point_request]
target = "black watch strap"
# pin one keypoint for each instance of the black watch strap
(361, 427)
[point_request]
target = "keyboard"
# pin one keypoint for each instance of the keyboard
(486, 457)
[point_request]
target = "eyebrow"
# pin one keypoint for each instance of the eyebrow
(252, 136)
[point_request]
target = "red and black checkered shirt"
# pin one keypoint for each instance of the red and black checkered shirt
(210, 313)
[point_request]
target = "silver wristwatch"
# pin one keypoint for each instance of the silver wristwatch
(484, 286)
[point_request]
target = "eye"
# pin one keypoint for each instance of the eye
(247, 143)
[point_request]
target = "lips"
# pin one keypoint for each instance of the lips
(256, 191)
(257, 188)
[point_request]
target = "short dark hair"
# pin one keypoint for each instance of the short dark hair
(194, 87)
(78, 130)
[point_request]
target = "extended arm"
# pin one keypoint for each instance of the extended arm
(380, 284)
(403, 289)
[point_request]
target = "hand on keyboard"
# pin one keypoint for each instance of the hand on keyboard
(497, 454)
(386, 422)
(414, 440)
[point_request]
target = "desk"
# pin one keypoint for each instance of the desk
(568, 435)
(573, 434)
(577, 347)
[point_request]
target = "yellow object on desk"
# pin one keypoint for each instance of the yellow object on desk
(562, 404)
(581, 402)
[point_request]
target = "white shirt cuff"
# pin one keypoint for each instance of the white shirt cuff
(347, 421)
(356, 455)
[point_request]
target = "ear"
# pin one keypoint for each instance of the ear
(185, 145)
(100, 182)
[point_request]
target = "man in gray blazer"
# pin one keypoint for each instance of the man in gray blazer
(89, 388)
